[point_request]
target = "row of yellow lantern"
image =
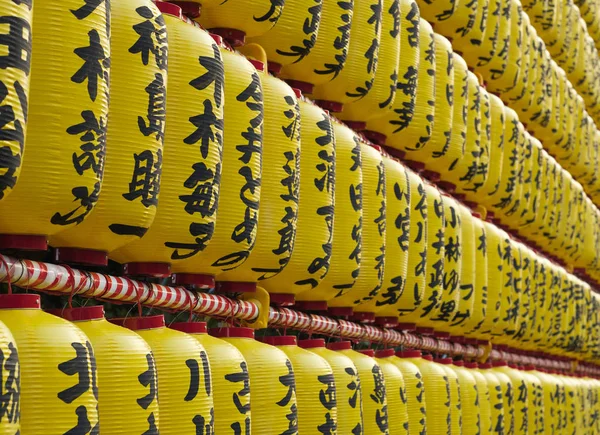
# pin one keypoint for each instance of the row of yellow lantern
(564, 30)
(516, 64)
(93, 373)
(589, 13)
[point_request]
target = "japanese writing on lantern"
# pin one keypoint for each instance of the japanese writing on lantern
(310, 30)
(291, 184)
(328, 399)
(93, 136)
(249, 150)
(87, 9)
(340, 44)
(148, 379)
(96, 65)
(203, 183)
(16, 44)
(154, 122)
(325, 166)
(203, 425)
(356, 396)
(408, 87)
(241, 399)
(392, 293)
(371, 53)
(274, 12)
(10, 158)
(83, 365)
(421, 236)
(145, 182)
(152, 38)
(379, 397)
(356, 197)
(10, 389)
(289, 381)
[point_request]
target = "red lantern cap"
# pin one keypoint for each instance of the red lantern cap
(428, 357)
(529, 367)
(285, 340)
(170, 9)
(445, 361)
(385, 353)
(339, 345)
(459, 363)
(139, 323)
(312, 343)
(237, 332)
(471, 365)
(190, 327)
(368, 352)
(80, 314)
(20, 301)
(412, 353)
(499, 364)
(485, 366)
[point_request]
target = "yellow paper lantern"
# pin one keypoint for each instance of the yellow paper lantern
(276, 229)
(238, 20)
(434, 296)
(372, 381)
(415, 390)
(457, 145)
(345, 258)
(508, 392)
(328, 55)
(372, 264)
(128, 386)
(535, 400)
(356, 78)
(469, 28)
(494, 59)
(397, 237)
(551, 393)
(14, 90)
(520, 392)
(396, 392)
(184, 376)
(272, 381)
(191, 170)
(57, 370)
(403, 107)
(484, 413)
(294, 36)
(416, 137)
(456, 420)
(310, 260)
(474, 408)
(380, 99)
(445, 152)
(480, 295)
(499, 415)
(230, 378)
(412, 301)
(315, 387)
(347, 383)
(11, 382)
(70, 56)
(438, 399)
(137, 108)
(470, 175)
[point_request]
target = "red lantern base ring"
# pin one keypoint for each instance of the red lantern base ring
(234, 37)
(332, 106)
(387, 322)
(235, 287)
(311, 305)
(363, 317)
(282, 299)
(406, 327)
(197, 280)
(88, 257)
(340, 311)
(23, 242)
(375, 137)
(155, 270)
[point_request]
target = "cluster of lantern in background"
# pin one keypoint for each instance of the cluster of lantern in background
(98, 375)
(129, 132)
